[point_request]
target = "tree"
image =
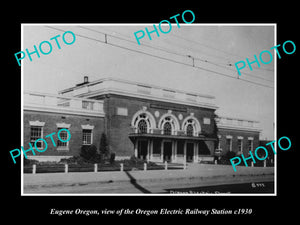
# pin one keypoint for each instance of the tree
(104, 149)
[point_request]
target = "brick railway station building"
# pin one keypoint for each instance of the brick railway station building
(151, 122)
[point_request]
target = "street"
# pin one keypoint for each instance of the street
(200, 179)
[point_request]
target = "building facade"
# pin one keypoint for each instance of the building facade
(237, 135)
(44, 114)
(151, 122)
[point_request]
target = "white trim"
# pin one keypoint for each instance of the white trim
(174, 122)
(240, 137)
(229, 137)
(206, 120)
(63, 125)
(137, 84)
(52, 158)
(242, 145)
(147, 96)
(196, 124)
(87, 127)
(121, 111)
(36, 123)
(151, 118)
(231, 127)
(251, 138)
(43, 108)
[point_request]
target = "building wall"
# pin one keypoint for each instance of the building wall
(119, 126)
(51, 119)
(222, 133)
(119, 111)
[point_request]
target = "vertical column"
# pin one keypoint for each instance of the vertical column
(148, 150)
(136, 148)
(175, 151)
(33, 169)
(66, 168)
(196, 149)
(162, 150)
(172, 151)
(184, 151)
(151, 150)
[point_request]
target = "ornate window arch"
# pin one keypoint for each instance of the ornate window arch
(167, 128)
(169, 124)
(143, 121)
(191, 126)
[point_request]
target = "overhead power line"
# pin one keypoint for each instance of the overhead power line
(160, 57)
(216, 49)
(175, 53)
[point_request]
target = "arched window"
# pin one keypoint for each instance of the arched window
(142, 127)
(167, 128)
(168, 124)
(191, 126)
(143, 122)
(189, 130)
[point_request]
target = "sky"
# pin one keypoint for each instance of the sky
(214, 47)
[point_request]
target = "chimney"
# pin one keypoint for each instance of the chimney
(85, 79)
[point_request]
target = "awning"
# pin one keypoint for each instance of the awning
(175, 137)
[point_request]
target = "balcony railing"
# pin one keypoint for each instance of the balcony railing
(120, 86)
(237, 123)
(61, 103)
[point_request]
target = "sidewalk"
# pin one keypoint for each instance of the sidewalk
(195, 172)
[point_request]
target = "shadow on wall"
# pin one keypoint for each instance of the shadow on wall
(203, 148)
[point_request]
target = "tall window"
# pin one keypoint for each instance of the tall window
(86, 137)
(36, 133)
(189, 130)
(142, 126)
(167, 128)
(191, 126)
(229, 144)
(240, 145)
(250, 145)
(63, 136)
(143, 121)
(168, 124)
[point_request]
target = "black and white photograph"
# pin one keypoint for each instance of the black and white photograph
(125, 113)
(115, 114)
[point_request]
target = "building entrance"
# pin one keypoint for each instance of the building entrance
(189, 152)
(142, 149)
(167, 151)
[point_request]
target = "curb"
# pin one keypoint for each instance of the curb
(145, 181)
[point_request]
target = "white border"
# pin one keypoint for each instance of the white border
(146, 24)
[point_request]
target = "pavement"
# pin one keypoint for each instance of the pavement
(195, 174)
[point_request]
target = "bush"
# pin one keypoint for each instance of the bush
(225, 159)
(89, 153)
(29, 162)
(73, 160)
